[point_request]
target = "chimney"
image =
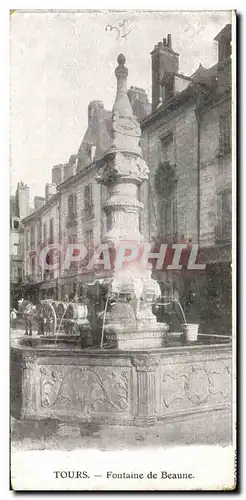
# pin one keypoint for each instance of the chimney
(92, 107)
(38, 202)
(70, 168)
(169, 41)
(165, 64)
(57, 174)
(139, 102)
(50, 190)
(23, 200)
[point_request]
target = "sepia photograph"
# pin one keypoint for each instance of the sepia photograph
(122, 210)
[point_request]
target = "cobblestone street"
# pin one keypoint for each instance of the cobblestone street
(43, 435)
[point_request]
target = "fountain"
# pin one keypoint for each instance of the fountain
(130, 322)
(143, 377)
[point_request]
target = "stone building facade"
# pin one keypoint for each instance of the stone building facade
(40, 229)
(19, 208)
(187, 146)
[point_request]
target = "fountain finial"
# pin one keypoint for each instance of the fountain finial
(122, 104)
(121, 71)
(121, 59)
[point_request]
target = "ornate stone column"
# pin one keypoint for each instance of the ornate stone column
(129, 320)
(28, 390)
(146, 367)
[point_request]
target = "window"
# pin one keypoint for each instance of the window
(72, 208)
(104, 194)
(21, 246)
(39, 232)
(27, 239)
(32, 236)
(88, 201)
(73, 240)
(88, 196)
(52, 230)
(168, 218)
(109, 221)
(16, 224)
(89, 243)
(33, 266)
(224, 216)
(166, 147)
(166, 191)
(225, 134)
(14, 274)
(44, 232)
(16, 249)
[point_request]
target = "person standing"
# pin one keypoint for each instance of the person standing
(13, 319)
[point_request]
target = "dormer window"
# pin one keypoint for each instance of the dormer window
(16, 224)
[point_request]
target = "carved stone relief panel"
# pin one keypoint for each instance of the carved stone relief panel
(195, 385)
(85, 389)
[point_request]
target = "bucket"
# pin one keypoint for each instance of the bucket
(76, 311)
(190, 331)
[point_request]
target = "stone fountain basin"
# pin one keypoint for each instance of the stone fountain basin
(54, 378)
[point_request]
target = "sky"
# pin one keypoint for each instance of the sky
(60, 61)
